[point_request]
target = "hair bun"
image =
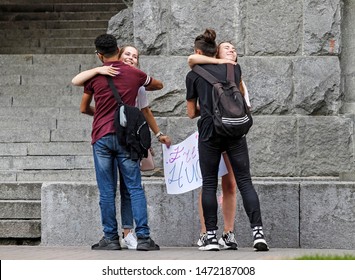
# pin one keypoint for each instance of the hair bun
(210, 35)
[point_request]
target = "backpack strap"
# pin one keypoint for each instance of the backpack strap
(205, 74)
(212, 79)
(114, 90)
(230, 72)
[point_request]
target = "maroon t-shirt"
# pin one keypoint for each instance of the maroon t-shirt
(127, 83)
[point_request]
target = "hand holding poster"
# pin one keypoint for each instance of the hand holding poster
(182, 167)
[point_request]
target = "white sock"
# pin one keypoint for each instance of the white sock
(258, 230)
(211, 234)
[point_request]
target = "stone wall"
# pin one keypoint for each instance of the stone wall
(289, 52)
(302, 138)
(296, 214)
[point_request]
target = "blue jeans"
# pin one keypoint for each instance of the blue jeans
(108, 155)
(126, 206)
(210, 155)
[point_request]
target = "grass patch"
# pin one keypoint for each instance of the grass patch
(326, 257)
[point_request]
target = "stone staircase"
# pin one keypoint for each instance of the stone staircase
(20, 216)
(54, 26)
(43, 137)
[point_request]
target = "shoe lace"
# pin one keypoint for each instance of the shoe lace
(203, 237)
(258, 233)
(230, 237)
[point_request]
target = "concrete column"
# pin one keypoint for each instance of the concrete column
(348, 56)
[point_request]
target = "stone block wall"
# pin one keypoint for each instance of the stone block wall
(289, 52)
(296, 214)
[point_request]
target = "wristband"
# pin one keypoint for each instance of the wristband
(159, 134)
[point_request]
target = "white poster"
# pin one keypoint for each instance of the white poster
(182, 166)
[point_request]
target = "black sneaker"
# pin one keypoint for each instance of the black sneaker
(147, 244)
(107, 244)
(228, 242)
(209, 244)
(259, 240)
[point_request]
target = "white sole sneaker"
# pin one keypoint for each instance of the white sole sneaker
(200, 240)
(123, 244)
(260, 245)
(224, 245)
(210, 247)
(130, 241)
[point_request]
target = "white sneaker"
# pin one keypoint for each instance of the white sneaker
(209, 242)
(130, 241)
(122, 242)
(228, 242)
(203, 236)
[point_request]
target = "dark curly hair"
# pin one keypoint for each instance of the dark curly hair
(206, 42)
(106, 44)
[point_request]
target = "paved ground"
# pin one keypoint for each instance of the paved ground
(166, 253)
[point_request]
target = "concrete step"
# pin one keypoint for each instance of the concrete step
(48, 50)
(54, 1)
(42, 112)
(46, 61)
(8, 123)
(20, 228)
(59, 148)
(60, 162)
(20, 213)
(40, 176)
(67, 42)
(45, 149)
(62, 7)
(57, 16)
(54, 27)
(20, 209)
(53, 24)
(33, 79)
(20, 191)
(15, 135)
(52, 33)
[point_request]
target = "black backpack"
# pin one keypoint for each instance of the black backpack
(231, 115)
(131, 127)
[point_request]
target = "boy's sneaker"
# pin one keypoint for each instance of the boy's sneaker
(228, 242)
(147, 244)
(259, 240)
(210, 242)
(107, 244)
(203, 236)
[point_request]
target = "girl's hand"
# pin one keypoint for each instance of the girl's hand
(108, 70)
(224, 60)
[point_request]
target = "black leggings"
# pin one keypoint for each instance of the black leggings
(210, 155)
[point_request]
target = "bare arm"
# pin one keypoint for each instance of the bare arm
(194, 59)
(85, 107)
(164, 139)
(82, 77)
(154, 85)
(193, 110)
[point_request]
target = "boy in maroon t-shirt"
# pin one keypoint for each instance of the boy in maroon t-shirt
(108, 153)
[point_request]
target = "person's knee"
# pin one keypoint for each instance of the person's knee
(229, 187)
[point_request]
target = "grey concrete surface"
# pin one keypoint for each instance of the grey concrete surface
(166, 253)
